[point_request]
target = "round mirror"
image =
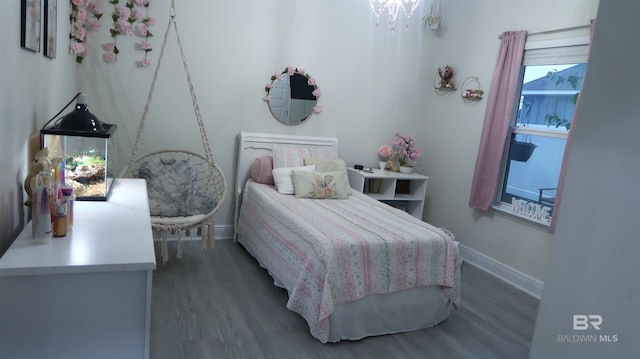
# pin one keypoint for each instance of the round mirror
(292, 96)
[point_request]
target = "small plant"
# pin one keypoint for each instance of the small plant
(552, 119)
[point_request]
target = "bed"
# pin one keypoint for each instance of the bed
(353, 267)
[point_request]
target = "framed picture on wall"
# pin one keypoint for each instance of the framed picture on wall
(50, 28)
(30, 22)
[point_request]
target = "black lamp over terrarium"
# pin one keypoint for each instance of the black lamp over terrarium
(81, 141)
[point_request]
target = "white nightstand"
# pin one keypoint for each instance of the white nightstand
(405, 191)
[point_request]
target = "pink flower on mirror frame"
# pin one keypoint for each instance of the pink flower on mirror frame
(311, 81)
(269, 85)
(279, 76)
(145, 45)
(290, 70)
(317, 93)
(266, 98)
(301, 71)
(317, 109)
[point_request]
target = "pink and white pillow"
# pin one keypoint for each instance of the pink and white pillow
(319, 185)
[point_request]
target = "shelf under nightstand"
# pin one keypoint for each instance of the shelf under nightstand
(405, 191)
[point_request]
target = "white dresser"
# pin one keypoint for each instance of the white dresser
(86, 295)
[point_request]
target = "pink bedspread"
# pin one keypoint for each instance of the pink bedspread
(333, 251)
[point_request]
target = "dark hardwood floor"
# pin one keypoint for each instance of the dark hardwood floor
(221, 304)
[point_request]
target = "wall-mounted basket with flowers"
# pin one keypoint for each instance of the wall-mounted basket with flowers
(470, 89)
(445, 73)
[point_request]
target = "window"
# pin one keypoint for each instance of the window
(551, 78)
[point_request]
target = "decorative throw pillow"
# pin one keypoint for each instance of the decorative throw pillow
(171, 190)
(288, 156)
(261, 170)
(282, 177)
(319, 185)
(329, 165)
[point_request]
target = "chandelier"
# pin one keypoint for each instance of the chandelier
(393, 8)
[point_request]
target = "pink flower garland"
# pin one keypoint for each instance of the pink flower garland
(84, 18)
(143, 31)
(124, 17)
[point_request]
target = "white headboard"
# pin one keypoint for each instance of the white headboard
(253, 145)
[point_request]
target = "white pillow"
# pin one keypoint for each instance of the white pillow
(282, 177)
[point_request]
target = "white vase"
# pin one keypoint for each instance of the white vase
(382, 165)
(406, 169)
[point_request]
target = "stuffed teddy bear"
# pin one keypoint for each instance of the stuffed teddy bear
(40, 163)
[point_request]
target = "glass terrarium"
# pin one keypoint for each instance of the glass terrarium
(82, 142)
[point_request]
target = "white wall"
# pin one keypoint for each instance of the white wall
(469, 42)
(32, 89)
(592, 270)
(373, 82)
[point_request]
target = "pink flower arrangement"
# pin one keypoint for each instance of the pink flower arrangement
(445, 72)
(405, 147)
(84, 18)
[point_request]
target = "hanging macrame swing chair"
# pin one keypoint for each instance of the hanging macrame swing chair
(185, 189)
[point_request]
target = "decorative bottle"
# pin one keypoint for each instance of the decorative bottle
(41, 208)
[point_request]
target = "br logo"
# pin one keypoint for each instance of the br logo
(584, 322)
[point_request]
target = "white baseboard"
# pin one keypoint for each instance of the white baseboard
(502, 271)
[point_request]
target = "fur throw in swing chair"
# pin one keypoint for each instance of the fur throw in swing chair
(185, 189)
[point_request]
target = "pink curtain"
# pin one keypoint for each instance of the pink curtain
(567, 149)
(497, 117)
